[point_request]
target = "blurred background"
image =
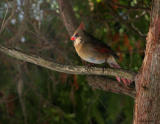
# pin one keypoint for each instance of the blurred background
(30, 94)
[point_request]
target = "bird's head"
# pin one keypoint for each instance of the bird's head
(77, 32)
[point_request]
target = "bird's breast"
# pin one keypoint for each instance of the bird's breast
(94, 60)
(89, 54)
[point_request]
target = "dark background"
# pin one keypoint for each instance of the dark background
(31, 94)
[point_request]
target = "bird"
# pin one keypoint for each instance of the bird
(94, 51)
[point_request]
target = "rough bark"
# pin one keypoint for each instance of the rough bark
(105, 84)
(67, 68)
(115, 87)
(147, 102)
(68, 16)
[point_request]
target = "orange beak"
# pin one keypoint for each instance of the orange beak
(73, 38)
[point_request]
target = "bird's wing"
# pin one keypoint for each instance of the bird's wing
(100, 46)
(102, 49)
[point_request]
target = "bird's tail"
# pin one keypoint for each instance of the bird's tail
(112, 63)
(80, 28)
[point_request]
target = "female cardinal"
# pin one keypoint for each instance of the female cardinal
(94, 51)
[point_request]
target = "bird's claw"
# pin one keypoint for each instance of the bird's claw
(89, 67)
(118, 79)
(126, 82)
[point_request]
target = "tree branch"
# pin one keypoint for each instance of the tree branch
(128, 24)
(137, 8)
(106, 84)
(68, 16)
(67, 68)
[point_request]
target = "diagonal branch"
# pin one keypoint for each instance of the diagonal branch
(106, 84)
(67, 68)
(68, 16)
(97, 83)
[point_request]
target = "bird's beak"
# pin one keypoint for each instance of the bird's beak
(73, 38)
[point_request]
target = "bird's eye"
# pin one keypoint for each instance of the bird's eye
(76, 35)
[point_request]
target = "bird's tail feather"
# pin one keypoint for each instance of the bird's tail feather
(112, 62)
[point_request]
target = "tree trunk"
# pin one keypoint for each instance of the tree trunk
(147, 102)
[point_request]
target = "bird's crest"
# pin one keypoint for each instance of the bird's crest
(75, 35)
(81, 26)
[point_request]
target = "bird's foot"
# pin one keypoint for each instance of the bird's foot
(89, 66)
(125, 81)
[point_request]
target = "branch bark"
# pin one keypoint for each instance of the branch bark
(67, 68)
(147, 103)
(68, 16)
(97, 83)
(105, 84)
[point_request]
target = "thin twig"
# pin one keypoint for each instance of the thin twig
(20, 88)
(137, 30)
(119, 18)
(137, 8)
(6, 21)
(2, 26)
